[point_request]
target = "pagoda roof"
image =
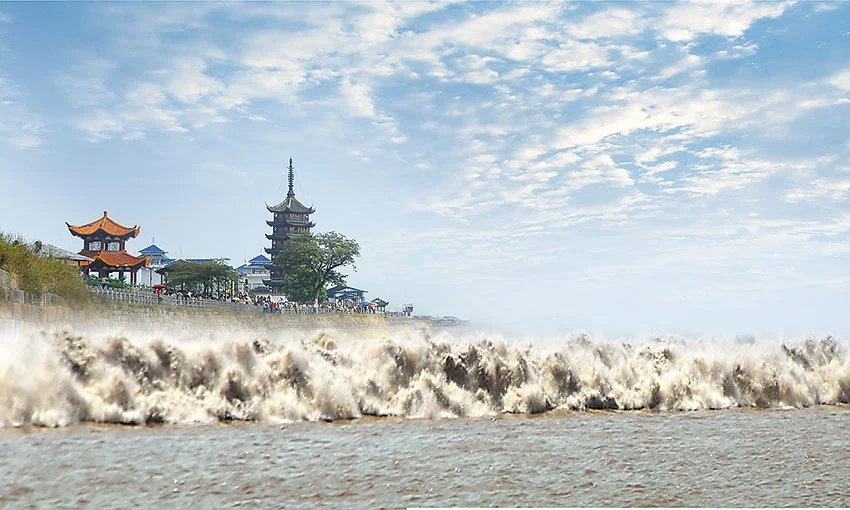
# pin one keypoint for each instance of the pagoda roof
(115, 258)
(258, 259)
(104, 224)
(343, 291)
(290, 204)
(153, 250)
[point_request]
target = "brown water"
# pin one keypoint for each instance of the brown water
(773, 458)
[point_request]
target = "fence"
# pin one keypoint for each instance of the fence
(148, 297)
(145, 297)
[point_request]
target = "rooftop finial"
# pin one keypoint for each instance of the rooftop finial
(291, 178)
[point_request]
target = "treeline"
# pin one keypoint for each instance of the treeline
(37, 275)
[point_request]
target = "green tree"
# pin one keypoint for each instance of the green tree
(201, 277)
(311, 261)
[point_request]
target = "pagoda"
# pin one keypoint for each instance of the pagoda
(291, 217)
(103, 242)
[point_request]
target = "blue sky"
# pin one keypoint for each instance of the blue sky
(611, 166)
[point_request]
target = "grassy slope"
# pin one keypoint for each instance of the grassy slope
(36, 275)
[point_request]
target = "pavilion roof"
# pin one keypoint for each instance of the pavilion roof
(115, 258)
(153, 250)
(104, 224)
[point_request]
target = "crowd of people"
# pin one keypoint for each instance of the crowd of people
(270, 304)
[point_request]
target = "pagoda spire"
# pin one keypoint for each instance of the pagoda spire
(291, 179)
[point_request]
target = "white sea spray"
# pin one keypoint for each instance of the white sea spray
(199, 373)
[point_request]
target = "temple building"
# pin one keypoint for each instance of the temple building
(289, 217)
(148, 276)
(254, 272)
(103, 242)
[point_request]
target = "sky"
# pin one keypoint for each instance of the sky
(614, 167)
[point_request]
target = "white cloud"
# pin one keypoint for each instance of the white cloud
(726, 168)
(652, 170)
(684, 21)
(358, 97)
(685, 64)
(825, 188)
(86, 83)
(576, 56)
(609, 23)
(18, 126)
(187, 82)
(841, 80)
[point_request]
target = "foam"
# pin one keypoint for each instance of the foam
(209, 373)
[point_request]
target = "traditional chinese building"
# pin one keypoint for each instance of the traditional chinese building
(290, 217)
(103, 242)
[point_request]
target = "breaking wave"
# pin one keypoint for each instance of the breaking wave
(58, 378)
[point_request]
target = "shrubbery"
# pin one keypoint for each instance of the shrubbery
(111, 283)
(37, 275)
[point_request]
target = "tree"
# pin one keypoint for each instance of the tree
(311, 261)
(203, 277)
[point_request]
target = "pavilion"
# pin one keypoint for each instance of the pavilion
(103, 242)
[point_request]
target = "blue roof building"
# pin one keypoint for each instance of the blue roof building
(254, 272)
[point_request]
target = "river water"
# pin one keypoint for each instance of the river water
(208, 415)
(748, 458)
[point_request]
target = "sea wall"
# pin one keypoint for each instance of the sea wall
(17, 306)
(109, 313)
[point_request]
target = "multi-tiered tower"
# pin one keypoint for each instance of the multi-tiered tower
(290, 217)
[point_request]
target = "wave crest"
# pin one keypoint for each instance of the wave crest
(60, 378)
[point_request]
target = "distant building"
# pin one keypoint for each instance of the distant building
(148, 276)
(152, 275)
(290, 217)
(380, 304)
(103, 242)
(344, 295)
(48, 250)
(254, 272)
(156, 254)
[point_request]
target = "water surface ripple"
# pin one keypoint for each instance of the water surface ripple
(771, 458)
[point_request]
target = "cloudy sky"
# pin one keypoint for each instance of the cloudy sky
(610, 166)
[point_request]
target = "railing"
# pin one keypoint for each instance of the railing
(148, 297)
(144, 297)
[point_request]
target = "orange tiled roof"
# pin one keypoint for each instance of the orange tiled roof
(115, 258)
(105, 224)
